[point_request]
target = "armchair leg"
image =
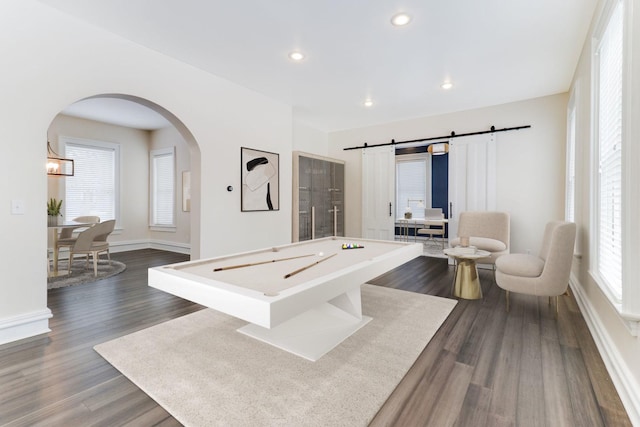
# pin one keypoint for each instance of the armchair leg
(507, 298)
(557, 304)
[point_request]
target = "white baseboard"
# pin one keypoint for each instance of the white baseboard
(24, 325)
(181, 248)
(627, 387)
(163, 245)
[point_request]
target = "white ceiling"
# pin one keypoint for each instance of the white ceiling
(118, 112)
(494, 51)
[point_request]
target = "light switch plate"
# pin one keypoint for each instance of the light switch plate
(17, 207)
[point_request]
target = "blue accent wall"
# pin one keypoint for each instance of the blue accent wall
(440, 185)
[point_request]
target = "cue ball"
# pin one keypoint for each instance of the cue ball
(321, 253)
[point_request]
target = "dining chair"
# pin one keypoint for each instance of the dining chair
(93, 241)
(66, 239)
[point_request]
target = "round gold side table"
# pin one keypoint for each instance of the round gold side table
(465, 282)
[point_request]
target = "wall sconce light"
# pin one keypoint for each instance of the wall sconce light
(56, 165)
(438, 149)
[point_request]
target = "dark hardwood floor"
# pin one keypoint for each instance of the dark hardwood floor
(483, 367)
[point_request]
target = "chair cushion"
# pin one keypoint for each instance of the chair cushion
(483, 243)
(522, 265)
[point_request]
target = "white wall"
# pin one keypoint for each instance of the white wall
(309, 139)
(620, 350)
(51, 60)
(530, 175)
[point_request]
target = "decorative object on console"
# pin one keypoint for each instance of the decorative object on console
(408, 214)
(260, 180)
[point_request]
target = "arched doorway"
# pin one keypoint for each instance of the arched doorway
(137, 127)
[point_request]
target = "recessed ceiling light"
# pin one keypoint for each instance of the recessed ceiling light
(400, 19)
(446, 85)
(368, 103)
(296, 56)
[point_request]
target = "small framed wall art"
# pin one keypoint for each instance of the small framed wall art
(260, 174)
(186, 191)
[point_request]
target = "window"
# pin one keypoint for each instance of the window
(570, 208)
(413, 184)
(94, 190)
(163, 180)
(608, 82)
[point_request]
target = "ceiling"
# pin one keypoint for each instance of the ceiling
(117, 111)
(493, 51)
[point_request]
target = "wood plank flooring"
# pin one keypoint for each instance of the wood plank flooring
(483, 367)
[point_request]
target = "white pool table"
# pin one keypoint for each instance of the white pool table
(308, 313)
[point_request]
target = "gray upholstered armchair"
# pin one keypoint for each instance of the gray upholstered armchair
(487, 231)
(543, 275)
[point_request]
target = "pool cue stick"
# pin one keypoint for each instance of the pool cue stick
(259, 262)
(308, 266)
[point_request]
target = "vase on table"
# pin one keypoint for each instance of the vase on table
(52, 220)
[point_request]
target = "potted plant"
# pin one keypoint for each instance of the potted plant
(54, 211)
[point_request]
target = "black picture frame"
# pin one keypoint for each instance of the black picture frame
(260, 178)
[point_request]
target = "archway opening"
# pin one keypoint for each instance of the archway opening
(133, 128)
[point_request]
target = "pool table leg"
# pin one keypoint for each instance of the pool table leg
(317, 331)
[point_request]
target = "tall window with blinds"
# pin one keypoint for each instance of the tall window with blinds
(413, 184)
(608, 61)
(570, 207)
(93, 190)
(163, 180)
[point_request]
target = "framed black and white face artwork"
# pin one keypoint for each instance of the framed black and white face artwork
(260, 180)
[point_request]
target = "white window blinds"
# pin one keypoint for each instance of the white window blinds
(162, 187)
(411, 186)
(609, 121)
(93, 189)
(570, 211)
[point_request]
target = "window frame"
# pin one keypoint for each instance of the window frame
(96, 144)
(571, 199)
(153, 154)
(626, 302)
(426, 157)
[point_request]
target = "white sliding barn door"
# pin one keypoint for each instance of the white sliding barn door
(378, 192)
(472, 176)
